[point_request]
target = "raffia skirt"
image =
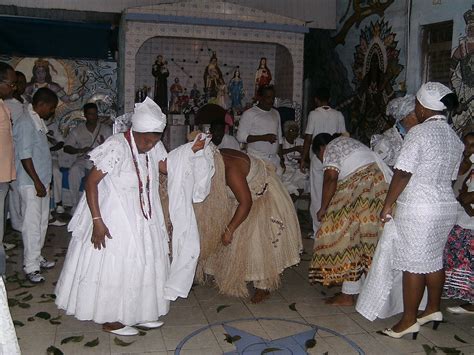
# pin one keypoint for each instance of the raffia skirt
(266, 243)
(349, 232)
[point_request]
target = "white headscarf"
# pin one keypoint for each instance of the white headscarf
(148, 117)
(430, 95)
(401, 107)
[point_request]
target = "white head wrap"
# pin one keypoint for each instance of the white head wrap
(148, 117)
(401, 107)
(430, 94)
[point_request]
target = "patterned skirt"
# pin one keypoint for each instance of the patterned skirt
(348, 235)
(459, 264)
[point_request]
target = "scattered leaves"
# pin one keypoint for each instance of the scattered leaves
(12, 302)
(310, 343)
(31, 319)
(55, 320)
(17, 323)
(221, 307)
(120, 342)
(27, 298)
(23, 305)
(141, 333)
(447, 350)
(43, 315)
(52, 350)
(429, 349)
(460, 339)
(21, 294)
(232, 339)
(74, 339)
(92, 343)
(292, 307)
(270, 350)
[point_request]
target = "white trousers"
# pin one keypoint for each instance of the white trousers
(14, 206)
(76, 174)
(316, 178)
(3, 198)
(57, 182)
(35, 211)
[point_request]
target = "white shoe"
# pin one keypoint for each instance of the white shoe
(60, 209)
(458, 310)
(124, 331)
(414, 329)
(56, 223)
(150, 325)
(35, 277)
(435, 317)
(45, 264)
(8, 246)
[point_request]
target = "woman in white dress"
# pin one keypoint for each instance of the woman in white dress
(426, 206)
(118, 258)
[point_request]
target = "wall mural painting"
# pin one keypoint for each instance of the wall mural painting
(76, 82)
(376, 66)
(462, 75)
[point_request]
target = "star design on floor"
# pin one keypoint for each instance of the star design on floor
(250, 344)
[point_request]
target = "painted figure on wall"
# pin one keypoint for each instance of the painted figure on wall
(263, 76)
(236, 91)
(176, 90)
(212, 77)
(160, 72)
(375, 68)
(462, 77)
(42, 78)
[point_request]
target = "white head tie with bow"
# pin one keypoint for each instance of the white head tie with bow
(430, 95)
(148, 117)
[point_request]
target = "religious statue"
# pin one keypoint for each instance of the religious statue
(176, 90)
(236, 91)
(263, 76)
(161, 73)
(195, 93)
(212, 77)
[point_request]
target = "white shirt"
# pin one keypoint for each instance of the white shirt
(255, 122)
(16, 108)
(293, 157)
(229, 142)
(325, 119)
(55, 133)
(81, 137)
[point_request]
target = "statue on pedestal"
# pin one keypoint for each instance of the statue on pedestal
(176, 90)
(212, 77)
(263, 76)
(161, 73)
(236, 91)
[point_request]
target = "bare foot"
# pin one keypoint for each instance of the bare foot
(112, 326)
(341, 299)
(260, 295)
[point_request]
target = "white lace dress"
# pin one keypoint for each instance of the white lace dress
(427, 208)
(125, 281)
(8, 340)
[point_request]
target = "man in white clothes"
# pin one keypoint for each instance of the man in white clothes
(81, 141)
(260, 128)
(33, 166)
(323, 119)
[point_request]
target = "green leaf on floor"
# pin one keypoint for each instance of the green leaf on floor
(232, 339)
(221, 307)
(43, 315)
(92, 343)
(21, 294)
(310, 343)
(31, 319)
(292, 307)
(429, 349)
(27, 298)
(460, 339)
(12, 302)
(48, 295)
(141, 333)
(52, 350)
(120, 342)
(270, 350)
(447, 350)
(17, 323)
(55, 320)
(73, 339)
(23, 305)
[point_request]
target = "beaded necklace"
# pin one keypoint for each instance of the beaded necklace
(140, 183)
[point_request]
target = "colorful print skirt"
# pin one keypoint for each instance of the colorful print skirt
(348, 235)
(458, 264)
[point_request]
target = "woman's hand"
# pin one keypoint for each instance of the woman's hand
(198, 144)
(386, 214)
(99, 231)
(321, 213)
(227, 237)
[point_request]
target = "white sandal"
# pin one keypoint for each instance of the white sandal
(124, 331)
(150, 325)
